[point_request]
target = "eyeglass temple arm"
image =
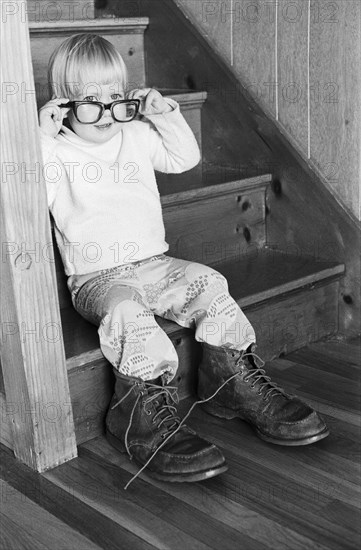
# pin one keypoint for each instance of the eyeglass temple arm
(71, 103)
(67, 105)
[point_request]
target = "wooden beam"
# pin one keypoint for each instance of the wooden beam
(32, 353)
(129, 25)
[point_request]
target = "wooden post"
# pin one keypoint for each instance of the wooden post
(38, 407)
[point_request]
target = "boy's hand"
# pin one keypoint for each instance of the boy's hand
(151, 102)
(51, 116)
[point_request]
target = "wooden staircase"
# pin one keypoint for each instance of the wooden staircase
(291, 300)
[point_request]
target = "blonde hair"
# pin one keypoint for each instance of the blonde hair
(83, 60)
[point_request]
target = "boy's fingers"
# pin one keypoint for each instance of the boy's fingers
(53, 104)
(133, 94)
(53, 110)
(149, 100)
(148, 96)
(138, 93)
(59, 100)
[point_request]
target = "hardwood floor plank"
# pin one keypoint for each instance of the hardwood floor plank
(272, 497)
(31, 519)
(277, 488)
(66, 506)
(326, 361)
(285, 461)
(277, 504)
(104, 492)
(282, 503)
(14, 537)
(330, 387)
(220, 506)
(164, 520)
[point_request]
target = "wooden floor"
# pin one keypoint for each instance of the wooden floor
(271, 497)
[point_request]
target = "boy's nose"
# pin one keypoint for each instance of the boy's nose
(107, 112)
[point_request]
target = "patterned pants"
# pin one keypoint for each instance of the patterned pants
(122, 302)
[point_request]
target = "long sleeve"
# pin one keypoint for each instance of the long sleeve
(173, 147)
(53, 168)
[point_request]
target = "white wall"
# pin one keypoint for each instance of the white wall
(301, 59)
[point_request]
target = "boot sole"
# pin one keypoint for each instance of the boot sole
(293, 442)
(177, 478)
(188, 478)
(222, 413)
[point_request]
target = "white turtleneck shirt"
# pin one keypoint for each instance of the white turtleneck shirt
(104, 197)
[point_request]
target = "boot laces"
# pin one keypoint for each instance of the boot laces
(162, 399)
(258, 375)
(171, 392)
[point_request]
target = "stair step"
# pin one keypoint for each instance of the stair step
(127, 35)
(212, 224)
(190, 99)
(290, 301)
(253, 280)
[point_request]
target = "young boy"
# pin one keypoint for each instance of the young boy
(102, 193)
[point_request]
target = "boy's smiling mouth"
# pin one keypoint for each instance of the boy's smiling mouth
(104, 126)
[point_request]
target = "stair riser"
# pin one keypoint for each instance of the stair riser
(282, 325)
(288, 323)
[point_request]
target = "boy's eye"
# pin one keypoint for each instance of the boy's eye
(90, 98)
(117, 96)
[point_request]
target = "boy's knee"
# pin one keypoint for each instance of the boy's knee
(204, 275)
(127, 305)
(119, 293)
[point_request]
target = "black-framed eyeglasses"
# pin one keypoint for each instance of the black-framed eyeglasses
(90, 112)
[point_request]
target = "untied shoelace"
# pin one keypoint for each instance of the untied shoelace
(257, 373)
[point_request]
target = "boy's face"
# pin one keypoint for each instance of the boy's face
(106, 127)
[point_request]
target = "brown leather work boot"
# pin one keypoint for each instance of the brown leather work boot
(142, 421)
(251, 396)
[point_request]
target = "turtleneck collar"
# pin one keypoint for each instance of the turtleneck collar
(105, 151)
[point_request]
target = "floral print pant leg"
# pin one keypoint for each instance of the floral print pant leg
(122, 302)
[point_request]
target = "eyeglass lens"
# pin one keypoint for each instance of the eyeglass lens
(90, 112)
